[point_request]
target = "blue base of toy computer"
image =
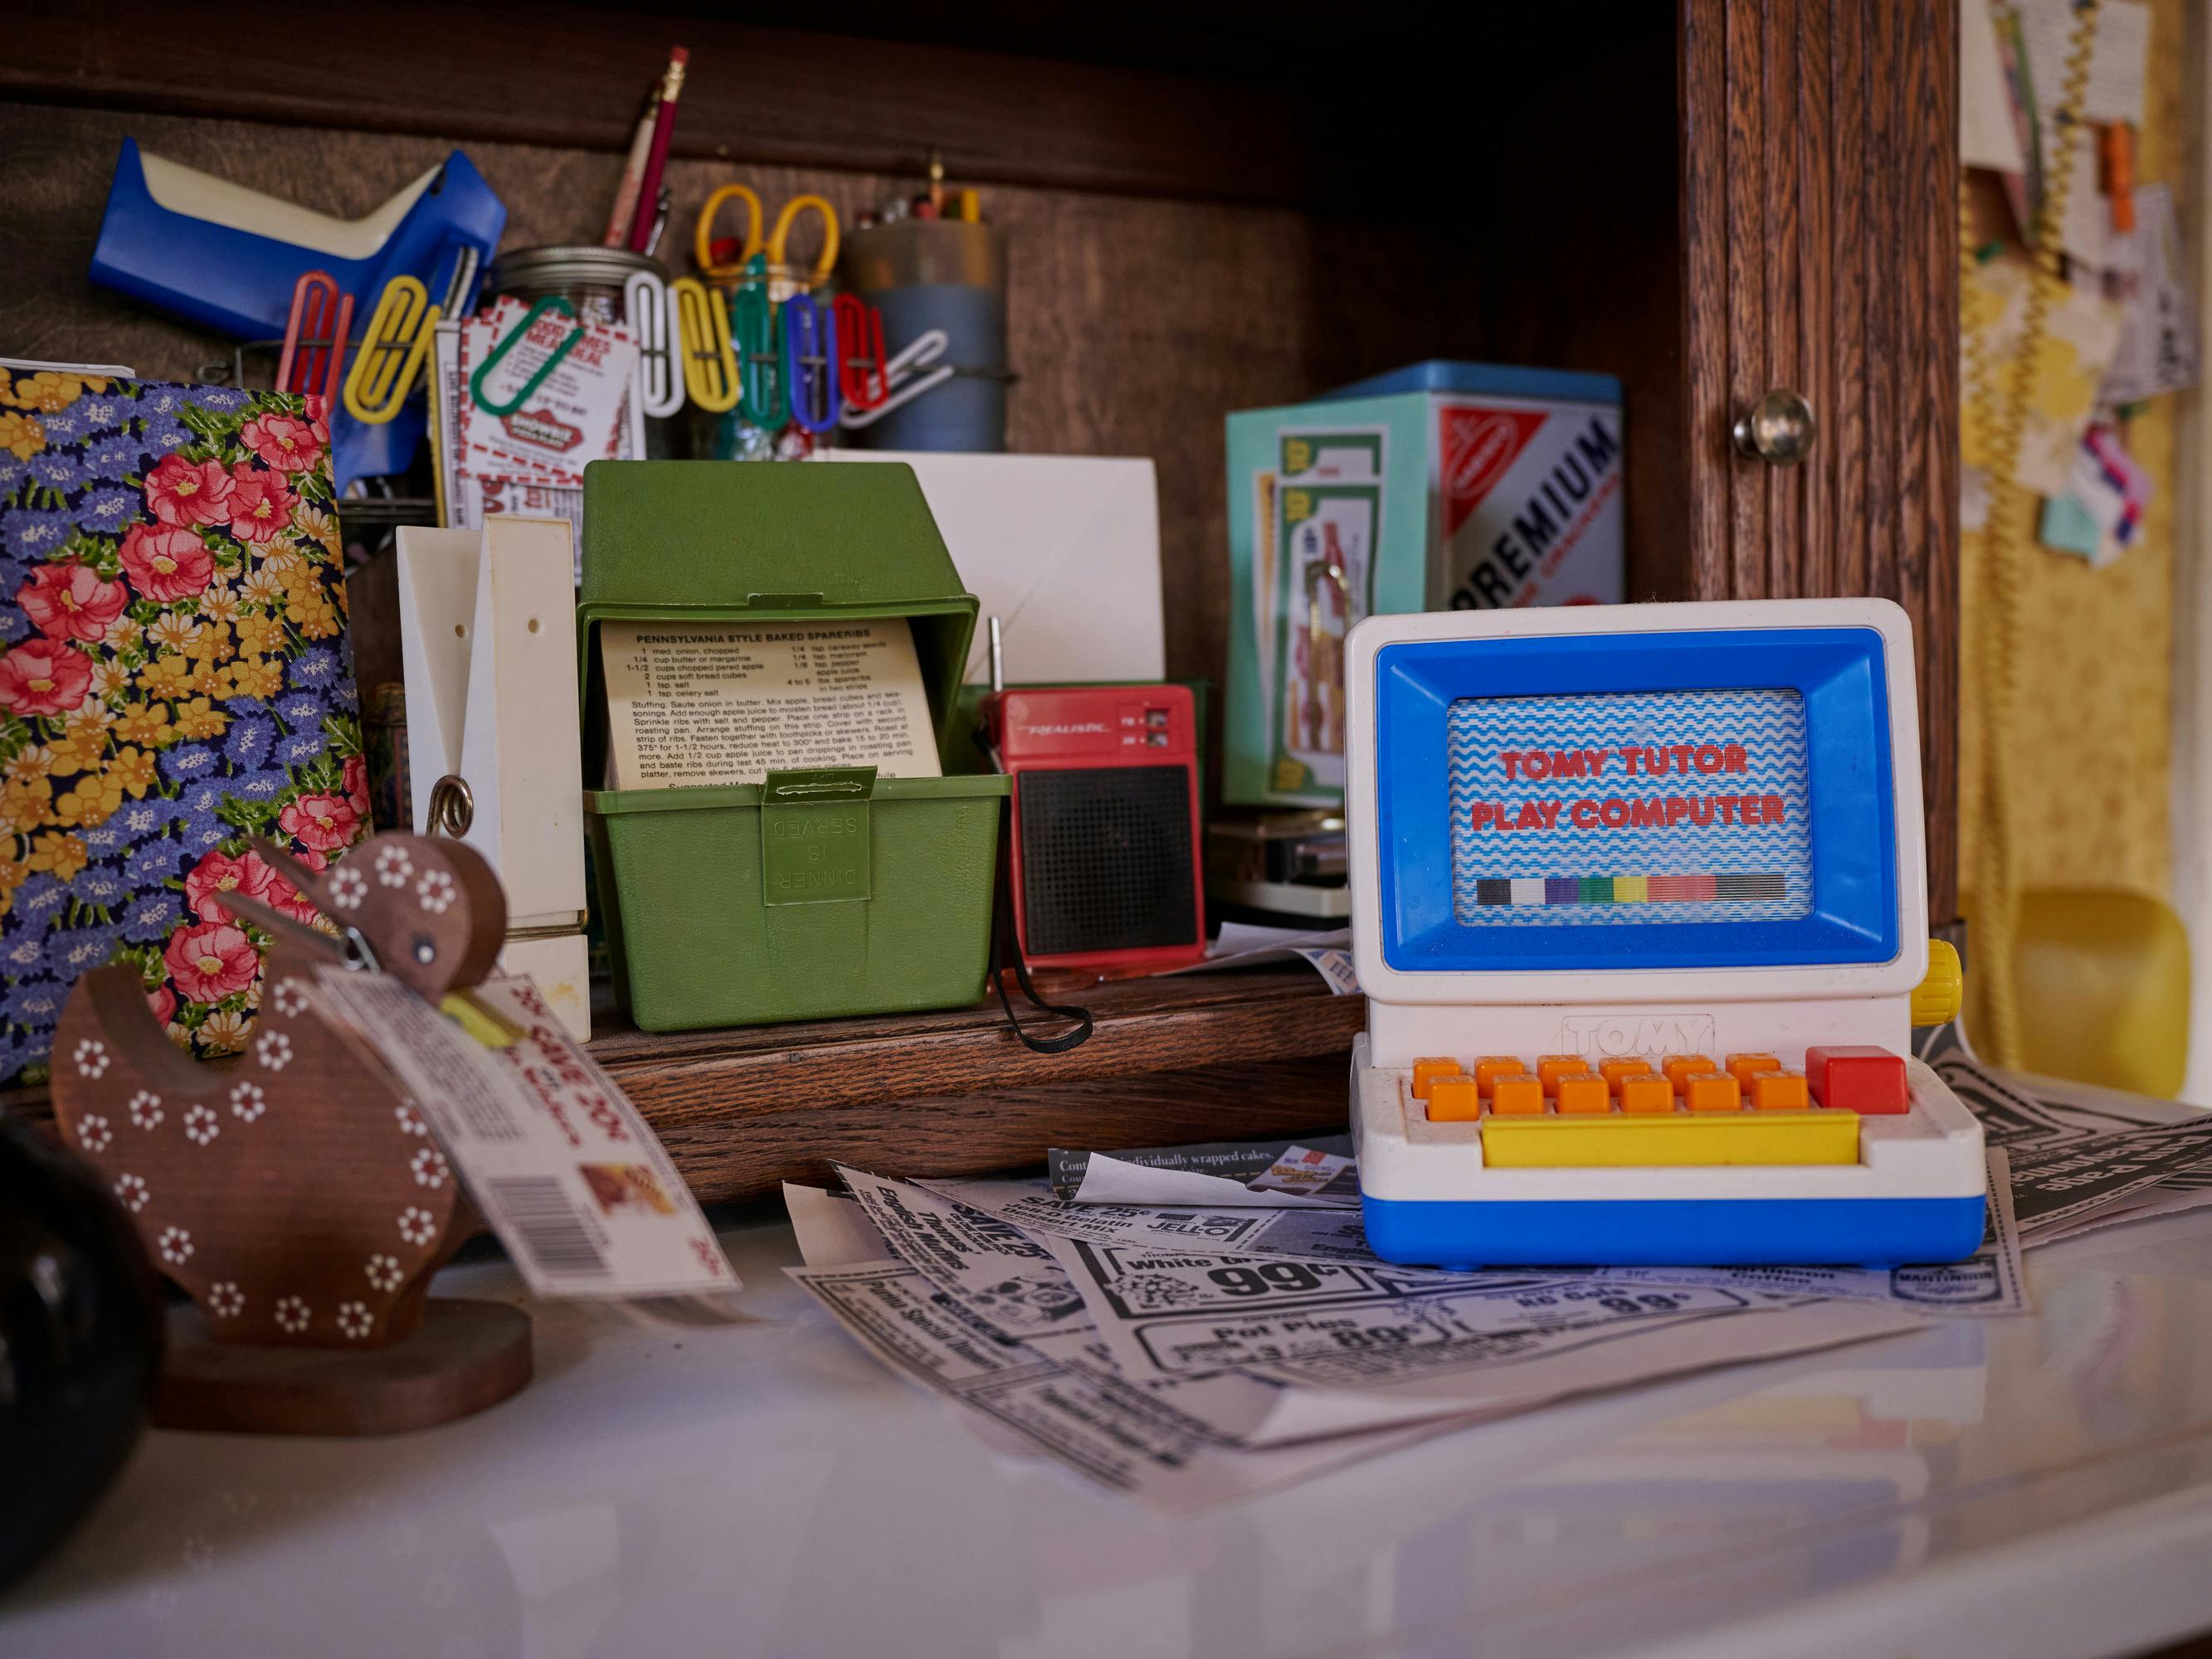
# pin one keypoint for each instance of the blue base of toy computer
(1673, 1232)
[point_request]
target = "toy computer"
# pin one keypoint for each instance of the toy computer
(1639, 903)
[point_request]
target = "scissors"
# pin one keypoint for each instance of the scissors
(779, 239)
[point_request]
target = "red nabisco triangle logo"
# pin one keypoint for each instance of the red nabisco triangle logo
(1478, 446)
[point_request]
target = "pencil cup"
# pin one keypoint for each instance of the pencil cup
(926, 274)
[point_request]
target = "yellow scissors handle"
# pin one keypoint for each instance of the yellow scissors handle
(710, 361)
(780, 236)
(702, 236)
(393, 353)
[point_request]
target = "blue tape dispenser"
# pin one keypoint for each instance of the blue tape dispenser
(215, 253)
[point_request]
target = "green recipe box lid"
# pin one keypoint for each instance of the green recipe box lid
(775, 542)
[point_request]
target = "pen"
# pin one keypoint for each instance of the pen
(633, 176)
(656, 163)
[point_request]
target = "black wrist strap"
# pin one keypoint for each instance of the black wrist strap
(1007, 954)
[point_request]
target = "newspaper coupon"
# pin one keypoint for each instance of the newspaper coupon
(2059, 1185)
(1331, 1327)
(570, 1177)
(1221, 1174)
(1988, 1282)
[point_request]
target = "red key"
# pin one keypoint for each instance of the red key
(1857, 1078)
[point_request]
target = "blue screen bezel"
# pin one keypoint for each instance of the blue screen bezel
(1839, 671)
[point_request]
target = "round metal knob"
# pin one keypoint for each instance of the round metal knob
(1779, 429)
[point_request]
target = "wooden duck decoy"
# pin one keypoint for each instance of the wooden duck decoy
(294, 1192)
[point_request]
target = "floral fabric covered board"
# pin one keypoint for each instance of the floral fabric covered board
(173, 676)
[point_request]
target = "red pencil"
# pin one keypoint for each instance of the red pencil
(641, 229)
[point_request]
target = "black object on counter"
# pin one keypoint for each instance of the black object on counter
(81, 1324)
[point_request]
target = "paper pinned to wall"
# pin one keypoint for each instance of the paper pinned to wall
(2081, 332)
(2159, 348)
(1987, 135)
(2114, 90)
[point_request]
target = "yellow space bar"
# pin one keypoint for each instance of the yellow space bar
(1627, 1141)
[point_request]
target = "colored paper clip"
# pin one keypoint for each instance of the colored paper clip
(315, 336)
(710, 362)
(809, 356)
(904, 377)
(777, 246)
(861, 380)
(760, 355)
(492, 359)
(650, 308)
(392, 351)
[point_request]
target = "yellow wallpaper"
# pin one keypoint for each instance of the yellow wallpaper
(2092, 752)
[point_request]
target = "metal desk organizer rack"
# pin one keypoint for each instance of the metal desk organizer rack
(1639, 903)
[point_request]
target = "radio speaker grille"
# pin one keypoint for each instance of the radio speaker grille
(1106, 859)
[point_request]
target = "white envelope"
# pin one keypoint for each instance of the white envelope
(1063, 549)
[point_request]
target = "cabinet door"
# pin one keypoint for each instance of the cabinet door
(1819, 230)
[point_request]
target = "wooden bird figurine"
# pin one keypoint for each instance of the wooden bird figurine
(293, 1191)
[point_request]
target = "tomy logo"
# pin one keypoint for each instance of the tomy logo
(1597, 1035)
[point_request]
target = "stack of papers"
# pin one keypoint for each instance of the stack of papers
(1192, 1325)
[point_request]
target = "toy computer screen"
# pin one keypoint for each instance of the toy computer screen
(1630, 807)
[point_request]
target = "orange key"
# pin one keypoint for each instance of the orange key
(1713, 1091)
(1583, 1091)
(1613, 1070)
(1779, 1092)
(1453, 1100)
(1552, 1067)
(1744, 1068)
(1647, 1092)
(1491, 1067)
(1426, 1071)
(1675, 1067)
(1517, 1094)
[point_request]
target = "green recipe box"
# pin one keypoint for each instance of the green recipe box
(820, 893)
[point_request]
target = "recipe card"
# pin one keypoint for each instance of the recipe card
(722, 702)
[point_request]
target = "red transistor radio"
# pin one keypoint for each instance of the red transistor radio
(1106, 866)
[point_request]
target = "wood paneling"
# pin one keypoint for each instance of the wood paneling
(1820, 225)
(573, 75)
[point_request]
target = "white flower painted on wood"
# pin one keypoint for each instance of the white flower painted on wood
(355, 1320)
(131, 1190)
(393, 868)
(225, 1300)
(273, 1050)
(201, 1125)
(293, 1314)
(418, 1225)
(348, 887)
(384, 1271)
(429, 1165)
(175, 1245)
(93, 1133)
(146, 1109)
(248, 1101)
(411, 1121)
(91, 1057)
(437, 892)
(291, 998)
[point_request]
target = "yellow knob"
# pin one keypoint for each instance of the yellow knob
(1936, 999)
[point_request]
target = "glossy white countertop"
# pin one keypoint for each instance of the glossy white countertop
(2037, 1486)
